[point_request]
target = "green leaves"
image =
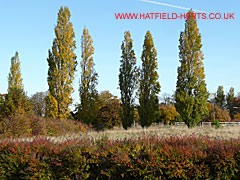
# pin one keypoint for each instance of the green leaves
(149, 85)
(220, 97)
(230, 99)
(191, 92)
(128, 77)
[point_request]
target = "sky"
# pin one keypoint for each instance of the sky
(27, 26)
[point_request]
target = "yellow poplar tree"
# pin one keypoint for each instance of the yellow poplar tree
(14, 77)
(16, 101)
(88, 108)
(62, 66)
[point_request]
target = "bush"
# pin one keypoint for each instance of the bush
(109, 112)
(32, 125)
(167, 114)
(236, 117)
(216, 123)
(58, 127)
(222, 115)
(16, 126)
(145, 158)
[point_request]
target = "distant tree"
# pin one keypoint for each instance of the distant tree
(217, 113)
(127, 80)
(62, 66)
(236, 108)
(167, 98)
(88, 108)
(191, 92)
(167, 114)
(149, 85)
(15, 101)
(230, 99)
(108, 115)
(220, 97)
(38, 101)
(15, 77)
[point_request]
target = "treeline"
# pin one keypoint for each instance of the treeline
(103, 110)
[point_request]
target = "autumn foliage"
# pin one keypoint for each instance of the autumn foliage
(222, 115)
(62, 66)
(29, 125)
(145, 158)
(167, 114)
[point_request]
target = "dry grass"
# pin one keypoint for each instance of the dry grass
(227, 132)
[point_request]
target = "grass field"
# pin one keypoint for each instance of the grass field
(117, 133)
(227, 132)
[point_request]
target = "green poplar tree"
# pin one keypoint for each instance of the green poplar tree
(88, 108)
(127, 80)
(191, 92)
(149, 85)
(62, 66)
(220, 97)
(230, 99)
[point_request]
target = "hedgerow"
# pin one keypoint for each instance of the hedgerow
(152, 157)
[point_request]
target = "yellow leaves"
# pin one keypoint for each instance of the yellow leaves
(62, 65)
(222, 115)
(88, 109)
(14, 78)
(167, 113)
(52, 105)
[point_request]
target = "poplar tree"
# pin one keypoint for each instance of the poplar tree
(127, 80)
(15, 77)
(220, 97)
(62, 65)
(149, 85)
(230, 99)
(16, 101)
(191, 92)
(88, 108)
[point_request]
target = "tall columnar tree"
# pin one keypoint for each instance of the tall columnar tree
(220, 97)
(15, 77)
(149, 86)
(127, 80)
(16, 101)
(88, 108)
(62, 65)
(191, 92)
(230, 99)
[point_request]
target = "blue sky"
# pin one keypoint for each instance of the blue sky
(27, 26)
